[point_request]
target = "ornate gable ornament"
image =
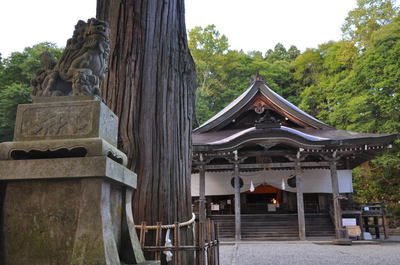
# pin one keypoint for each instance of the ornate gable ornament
(267, 121)
(259, 106)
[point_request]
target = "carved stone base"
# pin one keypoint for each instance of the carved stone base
(66, 120)
(67, 220)
(65, 193)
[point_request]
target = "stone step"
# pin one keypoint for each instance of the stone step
(271, 239)
(274, 226)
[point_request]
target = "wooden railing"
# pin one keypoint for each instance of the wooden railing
(372, 217)
(375, 213)
(205, 247)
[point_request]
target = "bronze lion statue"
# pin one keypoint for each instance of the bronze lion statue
(82, 65)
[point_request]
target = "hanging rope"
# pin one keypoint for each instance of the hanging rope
(154, 227)
(265, 182)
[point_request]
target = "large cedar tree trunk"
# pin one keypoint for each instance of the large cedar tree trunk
(150, 86)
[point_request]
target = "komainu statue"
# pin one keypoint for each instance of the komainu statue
(82, 65)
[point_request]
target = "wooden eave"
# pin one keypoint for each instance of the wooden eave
(349, 157)
(293, 138)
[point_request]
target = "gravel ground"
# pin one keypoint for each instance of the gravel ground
(226, 254)
(307, 253)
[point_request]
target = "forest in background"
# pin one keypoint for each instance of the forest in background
(351, 84)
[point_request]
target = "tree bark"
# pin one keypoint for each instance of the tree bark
(150, 86)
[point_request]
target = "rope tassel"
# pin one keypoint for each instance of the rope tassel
(252, 187)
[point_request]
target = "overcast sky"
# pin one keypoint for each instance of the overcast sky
(248, 24)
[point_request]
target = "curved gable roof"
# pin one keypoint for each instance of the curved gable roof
(280, 104)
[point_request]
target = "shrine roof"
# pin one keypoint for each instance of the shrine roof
(278, 102)
(290, 124)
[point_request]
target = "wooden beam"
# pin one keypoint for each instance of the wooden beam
(336, 203)
(268, 153)
(267, 165)
(300, 200)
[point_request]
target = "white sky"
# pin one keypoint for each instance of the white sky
(248, 24)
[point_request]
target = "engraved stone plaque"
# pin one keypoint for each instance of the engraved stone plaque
(66, 120)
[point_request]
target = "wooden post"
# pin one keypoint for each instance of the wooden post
(142, 234)
(361, 224)
(197, 242)
(300, 200)
(216, 233)
(202, 190)
(385, 226)
(200, 258)
(177, 238)
(209, 240)
(366, 224)
(376, 225)
(238, 233)
(214, 246)
(158, 240)
(335, 192)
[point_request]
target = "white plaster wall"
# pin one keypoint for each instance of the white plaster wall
(314, 181)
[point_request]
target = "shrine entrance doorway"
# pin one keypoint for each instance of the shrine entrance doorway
(263, 199)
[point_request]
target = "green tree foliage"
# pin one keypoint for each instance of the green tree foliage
(379, 181)
(368, 99)
(322, 74)
(10, 97)
(207, 47)
(377, 75)
(223, 74)
(358, 90)
(369, 16)
(279, 53)
(16, 72)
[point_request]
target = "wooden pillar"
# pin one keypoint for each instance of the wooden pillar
(366, 224)
(376, 226)
(202, 190)
(300, 200)
(385, 226)
(238, 233)
(335, 192)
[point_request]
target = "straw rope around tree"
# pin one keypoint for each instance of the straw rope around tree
(154, 227)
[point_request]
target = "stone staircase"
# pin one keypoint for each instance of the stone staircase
(273, 226)
(319, 225)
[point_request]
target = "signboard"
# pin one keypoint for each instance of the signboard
(214, 207)
(349, 221)
(353, 231)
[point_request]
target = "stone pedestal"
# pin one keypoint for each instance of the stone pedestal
(65, 193)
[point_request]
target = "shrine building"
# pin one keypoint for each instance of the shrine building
(264, 169)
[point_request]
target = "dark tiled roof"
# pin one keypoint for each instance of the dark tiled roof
(316, 134)
(307, 136)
